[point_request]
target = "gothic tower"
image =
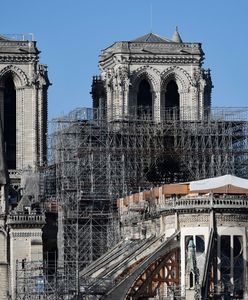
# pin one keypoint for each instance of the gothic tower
(23, 103)
(4, 266)
(153, 77)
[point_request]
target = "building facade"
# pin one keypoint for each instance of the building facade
(23, 146)
(155, 77)
(180, 241)
(23, 103)
(24, 226)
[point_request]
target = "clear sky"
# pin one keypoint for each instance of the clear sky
(71, 34)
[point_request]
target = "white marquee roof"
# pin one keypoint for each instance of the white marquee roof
(227, 182)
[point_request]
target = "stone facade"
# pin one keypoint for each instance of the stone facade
(4, 266)
(212, 234)
(20, 243)
(21, 72)
(157, 61)
(25, 236)
(23, 129)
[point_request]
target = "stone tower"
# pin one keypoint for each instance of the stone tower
(25, 240)
(152, 76)
(4, 265)
(23, 103)
(23, 128)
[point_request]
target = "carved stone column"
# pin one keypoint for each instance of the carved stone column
(119, 108)
(4, 267)
(201, 105)
(162, 105)
(125, 102)
(115, 104)
(19, 128)
(42, 124)
(192, 107)
(109, 103)
(184, 110)
(201, 99)
(2, 102)
(156, 106)
(29, 134)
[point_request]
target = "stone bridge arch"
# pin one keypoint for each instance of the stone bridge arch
(152, 77)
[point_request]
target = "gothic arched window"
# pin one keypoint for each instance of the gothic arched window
(172, 100)
(9, 121)
(144, 99)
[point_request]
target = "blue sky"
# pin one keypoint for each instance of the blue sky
(72, 33)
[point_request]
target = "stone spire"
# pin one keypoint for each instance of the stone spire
(192, 273)
(176, 37)
(191, 260)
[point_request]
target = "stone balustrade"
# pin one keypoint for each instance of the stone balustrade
(138, 207)
(210, 202)
(228, 202)
(15, 173)
(25, 219)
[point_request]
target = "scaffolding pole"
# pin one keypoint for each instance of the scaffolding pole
(97, 161)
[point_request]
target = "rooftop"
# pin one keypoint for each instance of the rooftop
(17, 37)
(155, 38)
(151, 38)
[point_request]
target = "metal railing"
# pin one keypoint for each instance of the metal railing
(183, 113)
(18, 36)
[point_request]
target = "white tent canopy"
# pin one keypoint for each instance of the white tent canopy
(224, 183)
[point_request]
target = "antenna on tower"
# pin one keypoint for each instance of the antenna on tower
(151, 17)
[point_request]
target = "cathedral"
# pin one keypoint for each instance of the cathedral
(161, 77)
(183, 240)
(23, 98)
(136, 217)
(23, 125)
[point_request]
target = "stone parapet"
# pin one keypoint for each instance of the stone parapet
(28, 219)
(226, 202)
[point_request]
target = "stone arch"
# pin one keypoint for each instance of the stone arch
(3, 231)
(183, 83)
(19, 77)
(181, 77)
(152, 76)
(13, 81)
(3, 244)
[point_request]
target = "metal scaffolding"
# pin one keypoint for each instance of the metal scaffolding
(97, 161)
(42, 280)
